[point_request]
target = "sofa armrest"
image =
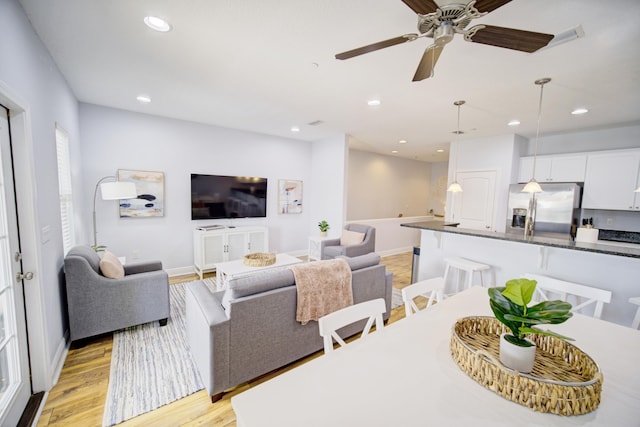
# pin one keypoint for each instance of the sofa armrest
(208, 333)
(142, 267)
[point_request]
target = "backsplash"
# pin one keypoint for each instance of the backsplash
(613, 220)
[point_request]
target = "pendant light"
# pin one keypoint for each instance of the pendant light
(455, 187)
(533, 186)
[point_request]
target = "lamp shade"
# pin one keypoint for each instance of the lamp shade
(455, 187)
(118, 190)
(532, 187)
(637, 190)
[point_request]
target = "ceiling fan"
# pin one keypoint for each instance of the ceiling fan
(442, 22)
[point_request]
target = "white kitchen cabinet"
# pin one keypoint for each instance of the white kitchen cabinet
(557, 168)
(226, 244)
(611, 179)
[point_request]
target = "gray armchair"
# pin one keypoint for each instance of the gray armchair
(98, 304)
(331, 247)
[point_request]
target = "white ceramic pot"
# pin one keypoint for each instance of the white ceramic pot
(323, 234)
(516, 357)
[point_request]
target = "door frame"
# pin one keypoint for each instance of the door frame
(42, 376)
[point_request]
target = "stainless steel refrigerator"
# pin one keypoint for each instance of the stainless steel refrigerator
(557, 212)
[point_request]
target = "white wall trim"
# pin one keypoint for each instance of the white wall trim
(22, 142)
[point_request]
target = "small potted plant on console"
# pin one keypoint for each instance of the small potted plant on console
(323, 226)
(510, 306)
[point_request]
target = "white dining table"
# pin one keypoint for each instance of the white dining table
(404, 375)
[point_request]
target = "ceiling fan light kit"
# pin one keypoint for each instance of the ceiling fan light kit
(443, 22)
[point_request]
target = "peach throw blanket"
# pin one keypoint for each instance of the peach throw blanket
(323, 287)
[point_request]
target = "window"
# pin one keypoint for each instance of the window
(64, 188)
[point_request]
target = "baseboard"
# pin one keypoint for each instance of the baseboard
(180, 271)
(59, 359)
(395, 251)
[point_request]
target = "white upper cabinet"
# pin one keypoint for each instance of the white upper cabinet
(611, 179)
(557, 168)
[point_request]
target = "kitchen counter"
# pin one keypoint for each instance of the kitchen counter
(604, 265)
(609, 248)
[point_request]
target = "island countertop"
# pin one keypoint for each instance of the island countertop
(568, 243)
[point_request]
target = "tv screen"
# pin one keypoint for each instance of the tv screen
(218, 196)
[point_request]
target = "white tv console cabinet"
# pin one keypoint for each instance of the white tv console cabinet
(215, 244)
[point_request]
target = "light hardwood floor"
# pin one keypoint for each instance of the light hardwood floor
(79, 396)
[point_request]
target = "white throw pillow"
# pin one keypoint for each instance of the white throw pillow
(349, 238)
(111, 266)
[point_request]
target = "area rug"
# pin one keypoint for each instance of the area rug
(151, 366)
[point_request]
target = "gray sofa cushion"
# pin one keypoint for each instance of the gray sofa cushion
(271, 280)
(257, 283)
(362, 261)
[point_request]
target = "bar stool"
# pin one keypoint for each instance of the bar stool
(636, 320)
(468, 267)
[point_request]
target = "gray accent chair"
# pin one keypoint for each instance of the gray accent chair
(331, 247)
(98, 304)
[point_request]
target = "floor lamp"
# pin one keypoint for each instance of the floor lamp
(115, 190)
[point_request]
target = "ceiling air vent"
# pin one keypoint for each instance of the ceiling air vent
(315, 123)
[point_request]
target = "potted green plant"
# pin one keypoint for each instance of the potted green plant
(323, 226)
(510, 306)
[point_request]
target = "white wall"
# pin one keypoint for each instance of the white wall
(386, 186)
(116, 139)
(438, 187)
(487, 154)
(31, 79)
(328, 185)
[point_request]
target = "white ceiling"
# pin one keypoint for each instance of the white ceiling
(268, 65)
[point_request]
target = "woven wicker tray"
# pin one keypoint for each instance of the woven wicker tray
(259, 259)
(564, 380)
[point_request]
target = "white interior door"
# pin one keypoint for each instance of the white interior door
(15, 384)
(473, 207)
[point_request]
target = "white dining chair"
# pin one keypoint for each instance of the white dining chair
(577, 294)
(430, 288)
(636, 319)
(329, 324)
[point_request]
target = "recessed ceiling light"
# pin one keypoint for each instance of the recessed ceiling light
(578, 111)
(513, 123)
(394, 151)
(402, 141)
(157, 24)
(144, 99)
(373, 103)
(440, 150)
(295, 129)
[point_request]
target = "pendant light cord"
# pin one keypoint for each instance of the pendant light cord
(540, 82)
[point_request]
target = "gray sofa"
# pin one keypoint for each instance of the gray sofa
(251, 329)
(98, 304)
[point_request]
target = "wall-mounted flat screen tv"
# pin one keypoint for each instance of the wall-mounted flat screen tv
(218, 196)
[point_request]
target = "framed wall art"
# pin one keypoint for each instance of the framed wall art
(150, 189)
(289, 196)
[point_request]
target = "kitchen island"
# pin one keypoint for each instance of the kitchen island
(606, 266)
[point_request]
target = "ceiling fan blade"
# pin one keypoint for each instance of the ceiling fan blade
(489, 5)
(422, 7)
(376, 46)
(509, 38)
(428, 62)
